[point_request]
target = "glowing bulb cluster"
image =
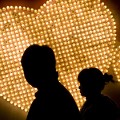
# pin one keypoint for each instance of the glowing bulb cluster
(82, 34)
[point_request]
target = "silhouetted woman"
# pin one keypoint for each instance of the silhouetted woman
(97, 106)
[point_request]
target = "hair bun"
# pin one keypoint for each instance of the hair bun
(108, 78)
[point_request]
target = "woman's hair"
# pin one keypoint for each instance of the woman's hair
(94, 77)
(107, 78)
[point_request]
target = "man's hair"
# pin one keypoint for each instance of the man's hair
(42, 56)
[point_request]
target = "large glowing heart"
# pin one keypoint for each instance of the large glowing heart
(82, 34)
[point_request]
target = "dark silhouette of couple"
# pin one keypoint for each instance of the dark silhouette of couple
(53, 101)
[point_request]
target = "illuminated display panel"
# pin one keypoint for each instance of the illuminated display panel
(82, 34)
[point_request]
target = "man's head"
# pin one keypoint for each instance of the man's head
(39, 64)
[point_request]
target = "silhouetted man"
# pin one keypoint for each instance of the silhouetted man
(53, 101)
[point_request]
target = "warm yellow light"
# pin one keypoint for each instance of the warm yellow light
(82, 34)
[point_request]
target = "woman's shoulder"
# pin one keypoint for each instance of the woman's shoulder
(107, 103)
(107, 100)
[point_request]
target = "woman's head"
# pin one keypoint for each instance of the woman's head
(92, 81)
